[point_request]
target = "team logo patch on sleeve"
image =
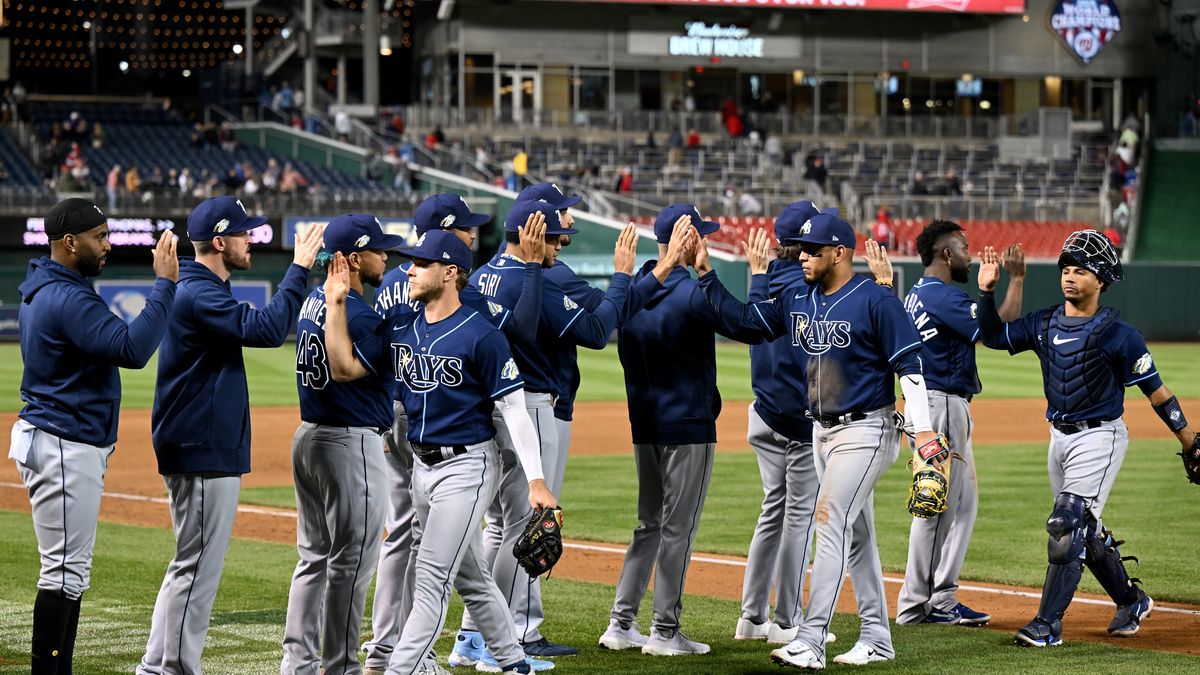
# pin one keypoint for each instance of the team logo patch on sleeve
(974, 311)
(569, 304)
(494, 308)
(1143, 365)
(509, 371)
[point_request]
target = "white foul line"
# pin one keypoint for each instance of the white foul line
(599, 548)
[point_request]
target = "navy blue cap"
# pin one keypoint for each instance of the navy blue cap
(440, 246)
(664, 224)
(446, 212)
(359, 232)
(521, 211)
(219, 216)
(825, 229)
(793, 217)
(548, 192)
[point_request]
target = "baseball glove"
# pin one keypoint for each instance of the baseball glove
(540, 545)
(1191, 461)
(930, 484)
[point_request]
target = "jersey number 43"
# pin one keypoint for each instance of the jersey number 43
(311, 364)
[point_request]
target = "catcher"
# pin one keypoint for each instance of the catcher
(1088, 357)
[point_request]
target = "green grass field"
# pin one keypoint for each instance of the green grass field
(248, 620)
(271, 373)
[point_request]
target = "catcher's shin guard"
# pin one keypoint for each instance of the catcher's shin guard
(1066, 526)
(1107, 565)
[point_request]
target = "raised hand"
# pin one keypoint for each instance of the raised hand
(308, 244)
(337, 282)
(533, 238)
(879, 262)
(625, 253)
(702, 264)
(989, 269)
(758, 250)
(1013, 261)
(681, 240)
(166, 260)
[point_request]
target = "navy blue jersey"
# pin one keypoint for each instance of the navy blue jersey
(668, 351)
(855, 338)
(391, 298)
(778, 370)
(365, 402)
(449, 373)
(201, 416)
(1086, 361)
(71, 347)
(947, 320)
(561, 317)
(566, 352)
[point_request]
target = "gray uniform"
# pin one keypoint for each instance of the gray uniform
(779, 548)
(850, 458)
(1087, 463)
(506, 518)
(937, 546)
(394, 574)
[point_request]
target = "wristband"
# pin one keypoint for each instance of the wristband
(1171, 414)
(887, 283)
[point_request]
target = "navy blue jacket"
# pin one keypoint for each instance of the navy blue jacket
(778, 370)
(589, 298)
(72, 345)
(668, 351)
(201, 417)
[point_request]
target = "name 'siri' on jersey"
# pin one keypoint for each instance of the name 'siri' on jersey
(818, 337)
(425, 372)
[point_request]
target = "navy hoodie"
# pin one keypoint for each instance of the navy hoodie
(668, 352)
(72, 345)
(201, 418)
(778, 370)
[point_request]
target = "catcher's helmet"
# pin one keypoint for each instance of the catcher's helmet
(1092, 251)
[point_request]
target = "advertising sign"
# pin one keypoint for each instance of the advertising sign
(962, 6)
(1085, 26)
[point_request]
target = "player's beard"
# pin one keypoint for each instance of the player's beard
(89, 266)
(960, 273)
(240, 262)
(427, 294)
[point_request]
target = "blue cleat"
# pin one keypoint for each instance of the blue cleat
(487, 664)
(468, 648)
(969, 617)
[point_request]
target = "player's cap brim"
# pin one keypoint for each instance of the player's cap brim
(707, 227)
(389, 242)
(562, 230)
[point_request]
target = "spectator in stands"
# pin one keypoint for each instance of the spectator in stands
(774, 150)
(520, 165)
(287, 98)
(270, 176)
(226, 137)
(693, 139)
(298, 100)
(1187, 126)
(624, 182)
(97, 136)
(341, 124)
(815, 175)
(157, 180)
(918, 187)
(881, 230)
(196, 140)
(397, 123)
(952, 185)
(73, 159)
(1114, 236)
(481, 159)
(233, 180)
(296, 122)
(689, 103)
(133, 182)
(292, 180)
(171, 182)
(402, 181)
(112, 186)
(439, 135)
(374, 167)
(185, 182)
(749, 205)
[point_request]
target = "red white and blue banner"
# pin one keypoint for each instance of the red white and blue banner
(1085, 26)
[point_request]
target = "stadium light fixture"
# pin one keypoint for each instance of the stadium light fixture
(123, 66)
(237, 48)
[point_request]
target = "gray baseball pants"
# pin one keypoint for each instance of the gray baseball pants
(341, 497)
(937, 546)
(507, 516)
(672, 485)
(394, 575)
(202, 511)
(850, 458)
(1086, 463)
(781, 542)
(450, 498)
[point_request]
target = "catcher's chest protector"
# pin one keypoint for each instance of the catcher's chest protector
(1076, 374)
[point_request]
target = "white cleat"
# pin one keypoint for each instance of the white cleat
(617, 638)
(861, 655)
(777, 635)
(748, 630)
(797, 655)
(676, 645)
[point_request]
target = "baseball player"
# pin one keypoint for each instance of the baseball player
(338, 466)
(668, 353)
(1088, 357)
(782, 443)
(561, 318)
(946, 319)
(71, 348)
(201, 417)
(393, 581)
(454, 367)
(856, 335)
